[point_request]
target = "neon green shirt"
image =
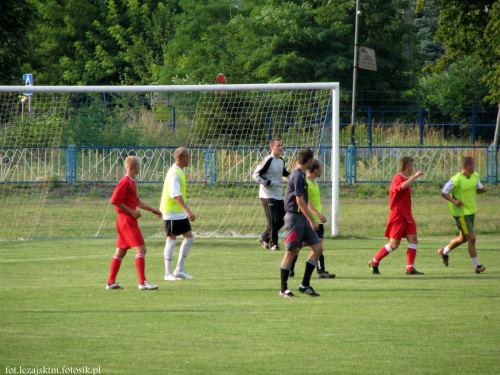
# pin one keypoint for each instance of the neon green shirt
(464, 189)
(314, 199)
(167, 203)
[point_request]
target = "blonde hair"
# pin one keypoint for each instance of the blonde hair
(403, 163)
(131, 162)
(181, 153)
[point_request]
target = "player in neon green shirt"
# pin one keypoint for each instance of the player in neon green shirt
(460, 192)
(314, 206)
(177, 215)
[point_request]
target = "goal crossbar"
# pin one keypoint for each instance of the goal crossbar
(175, 88)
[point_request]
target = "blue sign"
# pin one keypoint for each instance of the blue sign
(28, 81)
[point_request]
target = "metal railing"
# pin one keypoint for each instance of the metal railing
(232, 165)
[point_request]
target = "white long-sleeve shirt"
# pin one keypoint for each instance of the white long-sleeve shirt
(271, 169)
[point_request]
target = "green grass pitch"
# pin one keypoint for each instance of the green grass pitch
(55, 311)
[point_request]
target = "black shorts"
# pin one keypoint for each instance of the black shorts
(177, 227)
(321, 231)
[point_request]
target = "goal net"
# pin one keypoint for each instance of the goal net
(62, 151)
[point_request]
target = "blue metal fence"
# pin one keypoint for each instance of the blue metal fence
(232, 165)
(474, 125)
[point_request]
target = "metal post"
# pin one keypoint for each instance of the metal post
(494, 148)
(473, 125)
(173, 118)
(214, 162)
(72, 165)
(370, 119)
(206, 164)
(497, 128)
(421, 126)
(354, 74)
(351, 162)
(67, 164)
(335, 160)
(491, 158)
(211, 184)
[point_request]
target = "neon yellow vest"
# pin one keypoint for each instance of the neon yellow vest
(465, 189)
(167, 203)
(313, 194)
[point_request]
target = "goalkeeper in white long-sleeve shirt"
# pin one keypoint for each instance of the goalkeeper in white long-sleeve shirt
(269, 174)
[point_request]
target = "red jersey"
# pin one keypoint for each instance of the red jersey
(125, 193)
(400, 200)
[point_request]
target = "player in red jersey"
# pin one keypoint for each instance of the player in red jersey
(126, 201)
(400, 222)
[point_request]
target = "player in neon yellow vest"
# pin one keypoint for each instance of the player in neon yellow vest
(177, 215)
(460, 192)
(314, 205)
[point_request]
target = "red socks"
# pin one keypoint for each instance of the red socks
(140, 265)
(411, 253)
(382, 253)
(385, 250)
(113, 271)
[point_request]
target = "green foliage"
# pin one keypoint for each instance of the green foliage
(89, 42)
(35, 131)
(454, 90)
(429, 49)
(227, 122)
(470, 28)
(104, 121)
(16, 18)
(203, 43)
(254, 41)
(492, 38)
(144, 41)
(384, 26)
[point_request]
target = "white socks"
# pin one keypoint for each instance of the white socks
(446, 250)
(183, 253)
(168, 253)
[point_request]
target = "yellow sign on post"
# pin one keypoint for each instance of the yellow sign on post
(367, 59)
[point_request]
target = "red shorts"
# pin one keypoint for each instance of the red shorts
(398, 227)
(129, 234)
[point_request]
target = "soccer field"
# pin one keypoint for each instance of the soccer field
(57, 315)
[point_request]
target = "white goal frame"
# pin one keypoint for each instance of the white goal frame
(333, 86)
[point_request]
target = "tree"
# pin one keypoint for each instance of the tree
(471, 28)
(16, 17)
(99, 42)
(455, 90)
(62, 27)
(127, 45)
(385, 27)
(203, 42)
(426, 26)
(293, 41)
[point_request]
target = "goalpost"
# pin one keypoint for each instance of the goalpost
(61, 155)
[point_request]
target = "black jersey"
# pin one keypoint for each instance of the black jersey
(296, 187)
